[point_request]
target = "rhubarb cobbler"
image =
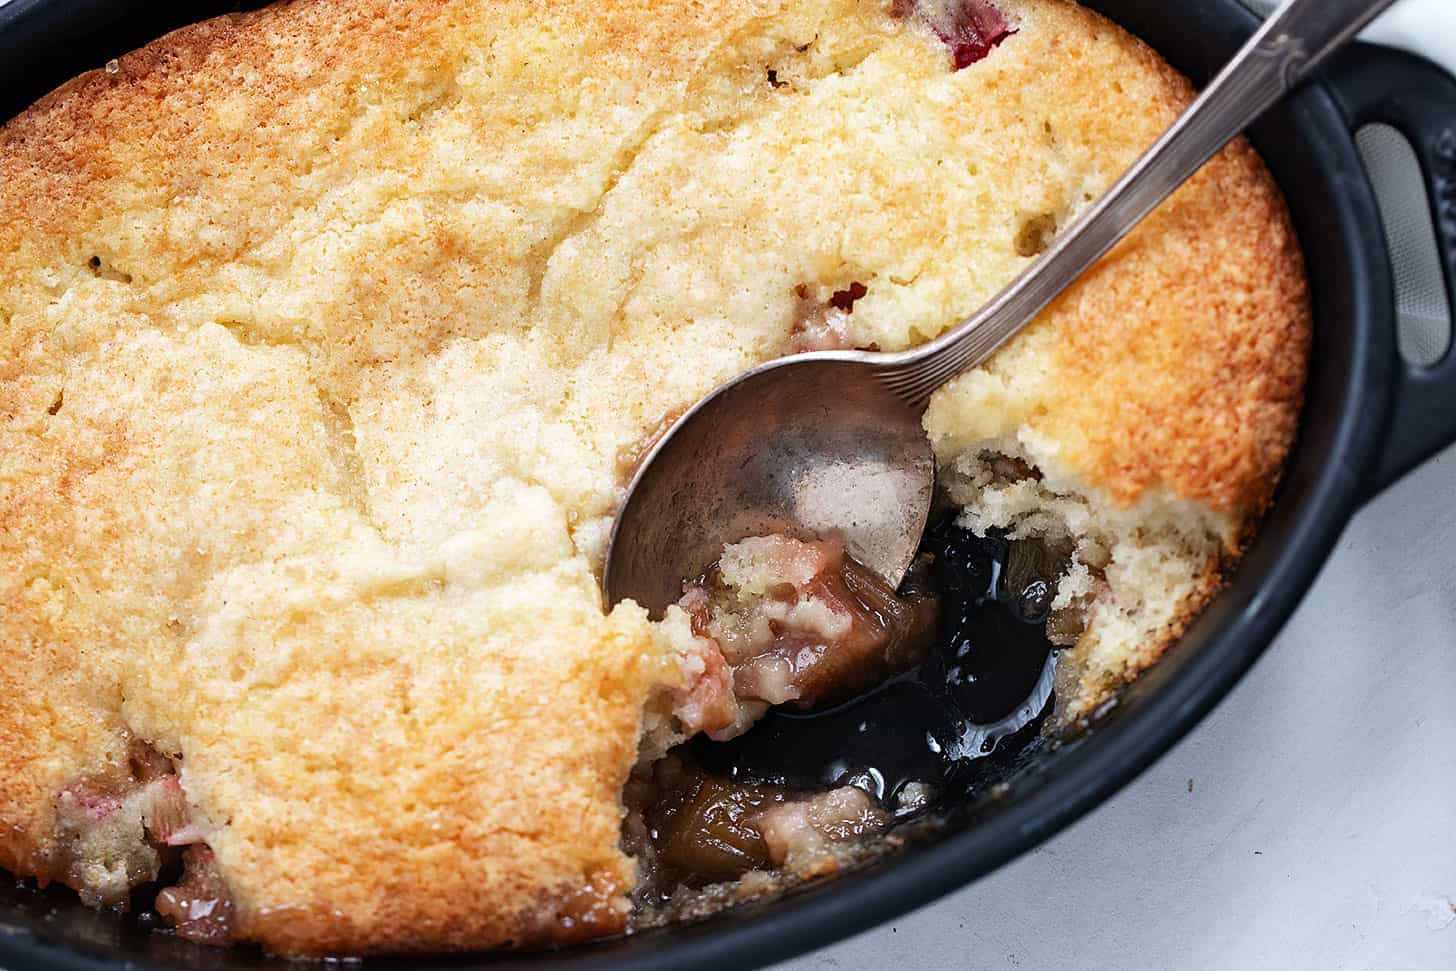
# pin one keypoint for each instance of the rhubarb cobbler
(330, 334)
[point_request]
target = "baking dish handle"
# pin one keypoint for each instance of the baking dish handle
(1418, 99)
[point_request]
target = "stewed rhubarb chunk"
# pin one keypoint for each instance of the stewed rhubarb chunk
(703, 829)
(801, 835)
(199, 907)
(799, 622)
(113, 823)
(703, 826)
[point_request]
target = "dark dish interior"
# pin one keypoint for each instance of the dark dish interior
(1024, 787)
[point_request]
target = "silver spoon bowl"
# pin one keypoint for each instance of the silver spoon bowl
(831, 443)
(807, 447)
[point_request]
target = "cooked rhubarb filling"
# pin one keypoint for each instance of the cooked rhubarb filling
(120, 827)
(803, 629)
(330, 334)
(780, 621)
(691, 829)
(776, 621)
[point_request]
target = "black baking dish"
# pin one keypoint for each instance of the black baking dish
(1369, 417)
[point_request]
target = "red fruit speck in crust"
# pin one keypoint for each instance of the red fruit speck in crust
(970, 28)
(845, 299)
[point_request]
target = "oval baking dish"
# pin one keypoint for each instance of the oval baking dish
(1368, 418)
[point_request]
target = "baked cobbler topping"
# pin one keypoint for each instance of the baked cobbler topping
(332, 331)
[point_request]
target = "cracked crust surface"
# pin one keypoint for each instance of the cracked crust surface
(324, 327)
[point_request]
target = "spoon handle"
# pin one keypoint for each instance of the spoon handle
(1294, 40)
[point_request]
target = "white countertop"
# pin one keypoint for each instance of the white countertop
(1320, 827)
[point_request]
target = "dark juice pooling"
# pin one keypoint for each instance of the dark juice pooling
(983, 688)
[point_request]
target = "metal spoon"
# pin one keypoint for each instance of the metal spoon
(831, 443)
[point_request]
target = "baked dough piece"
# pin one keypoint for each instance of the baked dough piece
(324, 330)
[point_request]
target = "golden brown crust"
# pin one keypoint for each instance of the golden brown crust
(1165, 386)
(1217, 417)
(1176, 364)
(322, 328)
(348, 814)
